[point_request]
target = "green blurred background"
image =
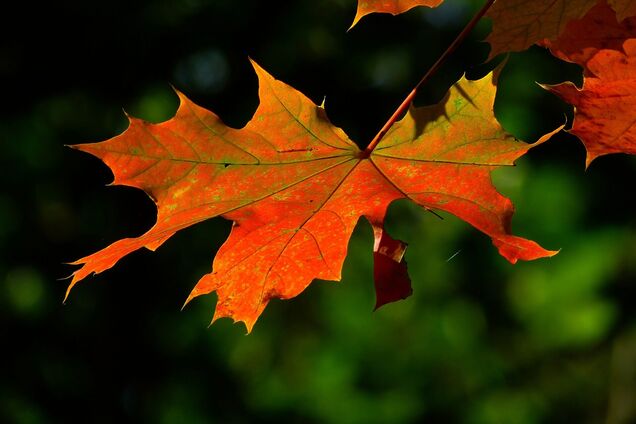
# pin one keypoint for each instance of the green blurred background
(480, 340)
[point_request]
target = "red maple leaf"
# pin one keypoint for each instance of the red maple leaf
(605, 108)
(518, 24)
(624, 8)
(295, 186)
(599, 29)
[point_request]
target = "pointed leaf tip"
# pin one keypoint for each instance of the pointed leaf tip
(393, 7)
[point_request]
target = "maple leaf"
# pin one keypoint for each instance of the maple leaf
(394, 7)
(624, 8)
(605, 108)
(599, 29)
(295, 187)
(518, 24)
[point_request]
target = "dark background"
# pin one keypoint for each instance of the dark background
(480, 340)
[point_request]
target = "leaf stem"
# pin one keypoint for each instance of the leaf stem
(407, 101)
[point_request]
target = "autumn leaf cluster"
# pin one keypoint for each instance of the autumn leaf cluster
(295, 185)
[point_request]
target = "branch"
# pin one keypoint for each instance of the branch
(407, 101)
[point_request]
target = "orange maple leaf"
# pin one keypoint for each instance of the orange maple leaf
(605, 108)
(394, 7)
(295, 186)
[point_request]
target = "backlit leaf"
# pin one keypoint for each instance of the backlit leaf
(605, 108)
(394, 7)
(295, 186)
